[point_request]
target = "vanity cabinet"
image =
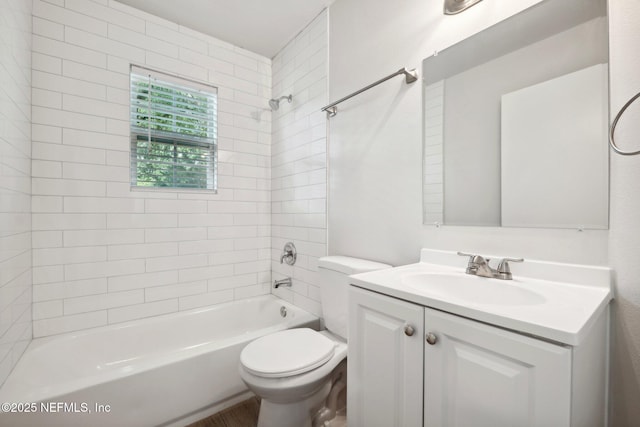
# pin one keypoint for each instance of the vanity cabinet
(479, 375)
(411, 365)
(385, 361)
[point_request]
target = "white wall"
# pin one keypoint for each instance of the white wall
(102, 253)
(375, 152)
(15, 182)
(624, 242)
(376, 143)
(299, 162)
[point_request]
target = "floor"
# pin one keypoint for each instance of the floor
(245, 414)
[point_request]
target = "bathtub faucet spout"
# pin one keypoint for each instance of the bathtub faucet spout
(283, 282)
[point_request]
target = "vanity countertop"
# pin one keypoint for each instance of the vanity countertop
(560, 303)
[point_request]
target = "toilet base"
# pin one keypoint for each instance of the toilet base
(294, 414)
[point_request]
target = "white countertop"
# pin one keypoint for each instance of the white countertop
(564, 312)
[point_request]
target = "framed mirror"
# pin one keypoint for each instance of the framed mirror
(515, 122)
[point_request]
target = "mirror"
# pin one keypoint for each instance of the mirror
(515, 122)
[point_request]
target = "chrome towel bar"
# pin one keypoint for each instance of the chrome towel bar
(612, 140)
(410, 77)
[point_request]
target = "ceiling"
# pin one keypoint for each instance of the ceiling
(261, 26)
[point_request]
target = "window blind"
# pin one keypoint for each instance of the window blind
(173, 131)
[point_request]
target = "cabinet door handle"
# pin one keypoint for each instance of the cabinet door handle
(408, 330)
(432, 338)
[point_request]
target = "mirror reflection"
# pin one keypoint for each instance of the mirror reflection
(515, 122)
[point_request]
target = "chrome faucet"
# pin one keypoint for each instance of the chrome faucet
(479, 266)
(284, 282)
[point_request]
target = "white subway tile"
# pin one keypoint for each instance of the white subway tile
(93, 303)
(212, 64)
(117, 315)
(46, 221)
(42, 133)
(175, 206)
(46, 80)
(94, 107)
(95, 172)
(104, 13)
(46, 169)
(162, 32)
(102, 205)
(135, 38)
(174, 291)
(48, 29)
(175, 66)
(205, 246)
(46, 204)
(65, 256)
(93, 270)
(53, 117)
(203, 300)
(68, 17)
(204, 220)
(115, 221)
(204, 273)
(59, 325)
(103, 45)
(97, 75)
(68, 51)
(251, 291)
(140, 281)
(46, 98)
(46, 239)
(174, 234)
(63, 187)
(61, 290)
(118, 158)
(47, 309)
(102, 237)
(176, 262)
(146, 250)
(47, 274)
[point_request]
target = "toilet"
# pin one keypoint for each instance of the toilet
(297, 371)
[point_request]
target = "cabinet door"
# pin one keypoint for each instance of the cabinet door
(482, 376)
(385, 361)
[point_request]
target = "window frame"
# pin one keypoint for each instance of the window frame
(137, 133)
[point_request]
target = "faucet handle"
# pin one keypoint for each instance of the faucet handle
(474, 262)
(504, 271)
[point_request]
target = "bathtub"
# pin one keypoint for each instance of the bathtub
(164, 371)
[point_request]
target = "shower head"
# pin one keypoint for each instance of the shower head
(275, 103)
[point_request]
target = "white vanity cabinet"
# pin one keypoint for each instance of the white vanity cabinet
(482, 376)
(385, 361)
(450, 371)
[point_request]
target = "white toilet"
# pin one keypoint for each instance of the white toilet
(294, 371)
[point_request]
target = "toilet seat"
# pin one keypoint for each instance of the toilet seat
(287, 353)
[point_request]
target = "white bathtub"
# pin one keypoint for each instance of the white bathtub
(169, 370)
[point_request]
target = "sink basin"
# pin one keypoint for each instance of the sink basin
(472, 289)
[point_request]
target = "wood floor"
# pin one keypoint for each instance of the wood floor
(244, 414)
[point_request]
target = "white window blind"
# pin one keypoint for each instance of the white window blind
(173, 131)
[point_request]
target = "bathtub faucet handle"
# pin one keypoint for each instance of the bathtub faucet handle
(290, 254)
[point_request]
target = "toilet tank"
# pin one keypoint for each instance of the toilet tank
(334, 284)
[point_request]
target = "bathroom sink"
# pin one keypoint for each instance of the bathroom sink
(472, 289)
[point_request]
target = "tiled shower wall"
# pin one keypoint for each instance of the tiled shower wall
(15, 182)
(103, 253)
(299, 163)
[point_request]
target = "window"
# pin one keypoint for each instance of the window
(173, 131)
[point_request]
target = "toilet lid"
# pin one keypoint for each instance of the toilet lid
(287, 353)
